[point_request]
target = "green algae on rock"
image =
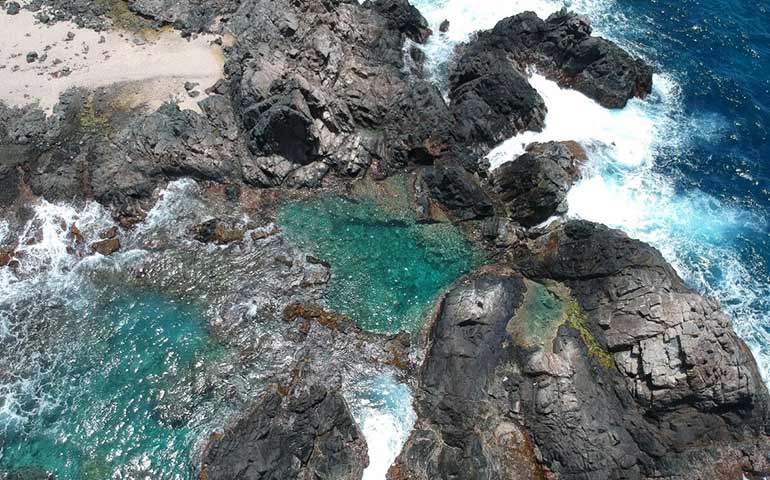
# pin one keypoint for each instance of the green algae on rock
(387, 268)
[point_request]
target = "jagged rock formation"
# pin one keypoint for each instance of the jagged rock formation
(534, 186)
(581, 355)
(308, 434)
(563, 49)
(607, 366)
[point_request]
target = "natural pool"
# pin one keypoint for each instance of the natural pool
(387, 267)
(108, 373)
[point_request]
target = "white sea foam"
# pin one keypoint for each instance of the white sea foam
(382, 408)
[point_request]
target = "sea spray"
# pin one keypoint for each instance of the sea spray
(382, 408)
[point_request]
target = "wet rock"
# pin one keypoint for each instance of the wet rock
(534, 187)
(563, 49)
(107, 246)
(219, 231)
(308, 434)
(111, 232)
(32, 57)
(457, 191)
(5, 258)
(12, 8)
(444, 27)
(189, 86)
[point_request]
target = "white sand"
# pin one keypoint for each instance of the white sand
(151, 73)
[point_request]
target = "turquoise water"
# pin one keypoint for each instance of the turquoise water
(113, 399)
(387, 268)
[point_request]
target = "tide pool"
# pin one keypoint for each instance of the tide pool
(387, 268)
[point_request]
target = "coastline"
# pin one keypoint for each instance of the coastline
(304, 111)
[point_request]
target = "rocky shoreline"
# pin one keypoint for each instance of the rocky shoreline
(576, 353)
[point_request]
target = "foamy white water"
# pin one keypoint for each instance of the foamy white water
(382, 408)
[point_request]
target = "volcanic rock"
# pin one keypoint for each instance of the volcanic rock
(534, 187)
(308, 434)
(563, 49)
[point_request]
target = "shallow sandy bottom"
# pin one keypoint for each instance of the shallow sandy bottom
(153, 71)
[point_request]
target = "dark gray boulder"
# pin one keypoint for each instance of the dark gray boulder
(308, 434)
(563, 49)
(534, 186)
(491, 100)
(457, 191)
(405, 18)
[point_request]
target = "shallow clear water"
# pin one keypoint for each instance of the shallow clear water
(387, 269)
(113, 392)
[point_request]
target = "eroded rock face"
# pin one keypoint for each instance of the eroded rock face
(607, 366)
(463, 431)
(563, 49)
(534, 186)
(457, 191)
(308, 434)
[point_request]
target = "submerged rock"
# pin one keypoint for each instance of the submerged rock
(308, 434)
(534, 187)
(12, 8)
(219, 231)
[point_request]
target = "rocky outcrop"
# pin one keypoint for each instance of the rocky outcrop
(563, 49)
(534, 186)
(307, 434)
(457, 191)
(492, 100)
(463, 431)
(600, 364)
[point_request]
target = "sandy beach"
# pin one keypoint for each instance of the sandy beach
(38, 62)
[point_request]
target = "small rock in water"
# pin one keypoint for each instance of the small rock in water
(194, 93)
(111, 232)
(31, 57)
(444, 27)
(5, 258)
(43, 18)
(12, 8)
(106, 247)
(189, 86)
(102, 39)
(70, 36)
